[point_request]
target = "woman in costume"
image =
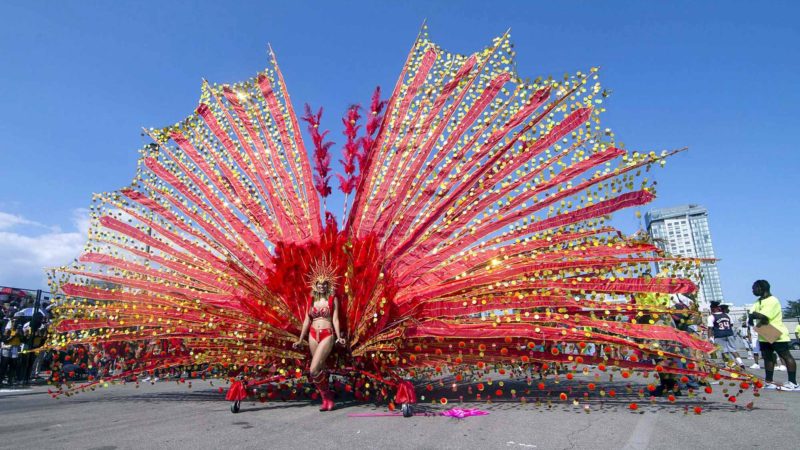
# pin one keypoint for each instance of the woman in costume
(321, 326)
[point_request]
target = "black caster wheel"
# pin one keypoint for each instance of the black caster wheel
(236, 406)
(408, 410)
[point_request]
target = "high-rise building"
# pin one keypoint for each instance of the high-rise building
(683, 231)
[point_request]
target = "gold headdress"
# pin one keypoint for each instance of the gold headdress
(321, 271)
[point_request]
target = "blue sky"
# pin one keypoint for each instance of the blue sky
(80, 79)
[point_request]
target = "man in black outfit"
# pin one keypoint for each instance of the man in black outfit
(767, 311)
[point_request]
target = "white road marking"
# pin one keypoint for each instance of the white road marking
(641, 433)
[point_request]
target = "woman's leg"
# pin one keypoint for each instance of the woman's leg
(312, 345)
(319, 353)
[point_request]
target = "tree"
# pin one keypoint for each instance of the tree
(792, 308)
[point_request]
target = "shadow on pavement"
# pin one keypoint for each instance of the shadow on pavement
(435, 397)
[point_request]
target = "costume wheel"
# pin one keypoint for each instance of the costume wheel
(408, 410)
(236, 406)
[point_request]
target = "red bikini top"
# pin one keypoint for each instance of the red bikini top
(324, 312)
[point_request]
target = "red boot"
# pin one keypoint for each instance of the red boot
(321, 381)
(327, 404)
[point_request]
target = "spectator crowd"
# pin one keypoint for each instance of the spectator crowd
(24, 325)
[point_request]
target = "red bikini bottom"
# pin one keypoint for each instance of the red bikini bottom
(320, 335)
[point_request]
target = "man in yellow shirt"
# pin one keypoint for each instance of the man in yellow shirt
(767, 311)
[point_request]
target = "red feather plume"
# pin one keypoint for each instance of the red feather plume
(373, 122)
(322, 157)
(351, 149)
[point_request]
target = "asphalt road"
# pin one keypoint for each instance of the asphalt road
(171, 415)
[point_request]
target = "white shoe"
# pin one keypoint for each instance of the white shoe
(146, 379)
(781, 368)
(789, 386)
(770, 386)
(155, 379)
(755, 366)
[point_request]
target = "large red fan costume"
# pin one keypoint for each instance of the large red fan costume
(476, 238)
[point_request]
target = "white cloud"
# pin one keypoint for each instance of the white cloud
(8, 221)
(81, 220)
(23, 257)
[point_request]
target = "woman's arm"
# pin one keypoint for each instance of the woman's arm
(339, 338)
(303, 332)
